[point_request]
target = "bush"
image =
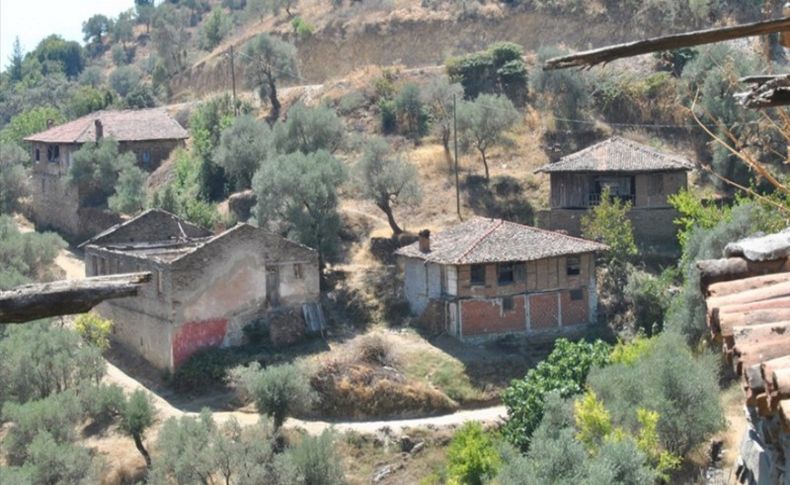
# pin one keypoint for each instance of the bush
(278, 391)
(13, 177)
(410, 113)
(472, 457)
(564, 370)
(498, 70)
(124, 79)
(648, 297)
(309, 130)
(302, 28)
(103, 402)
(670, 380)
(204, 369)
(94, 329)
(389, 119)
(374, 348)
(243, 146)
(314, 461)
(563, 91)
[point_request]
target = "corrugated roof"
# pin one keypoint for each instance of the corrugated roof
(617, 155)
(482, 240)
(127, 125)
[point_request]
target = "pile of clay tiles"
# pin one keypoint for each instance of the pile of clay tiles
(747, 294)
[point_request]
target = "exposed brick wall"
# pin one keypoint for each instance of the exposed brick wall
(543, 311)
(574, 312)
(486, 316)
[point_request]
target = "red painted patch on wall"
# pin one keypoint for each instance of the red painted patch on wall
(197, 335)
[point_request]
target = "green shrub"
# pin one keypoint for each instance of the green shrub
(389, 118)
(103, 402)
(499, 69)
(204, 369)
(472, 457)
(670, 380)
(278, 391)
(564, 370)
(302, 28)
(648, 297)
(94, 329)
(314, 461)
(410, 112)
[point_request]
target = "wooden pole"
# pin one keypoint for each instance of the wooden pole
(233, 80)
(607, 54)
(455, 156)
(66, 297)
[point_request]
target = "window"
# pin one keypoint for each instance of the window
(38, 155)
(478, 276)
(520, 271)
(577, 295)
(573, 266)
(146, 156)
(507, 304)
(298, 271)
(56, 151)
(505, 273)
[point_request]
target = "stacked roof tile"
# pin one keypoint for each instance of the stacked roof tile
(747, 295)
(617, 155)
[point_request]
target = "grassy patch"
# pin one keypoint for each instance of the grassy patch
(443, 371)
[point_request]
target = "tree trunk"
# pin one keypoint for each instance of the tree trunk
(485, 162)
(275, 113)
(384, 206)
(138, 442)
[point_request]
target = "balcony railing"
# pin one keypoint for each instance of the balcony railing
(594, 198)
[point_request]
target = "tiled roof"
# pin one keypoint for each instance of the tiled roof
(482, 240)
(747, 295)
(617, 155)
(128, 125)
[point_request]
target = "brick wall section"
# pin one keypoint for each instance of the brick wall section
(574, 312)
(543, 311)
(482, 317)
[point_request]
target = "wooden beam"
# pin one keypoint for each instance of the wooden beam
(66, 297)
(689, 39)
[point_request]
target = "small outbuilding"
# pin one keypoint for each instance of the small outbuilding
(205, 288)
(489, 277)
(633, 172)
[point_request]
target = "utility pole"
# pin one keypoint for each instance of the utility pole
(233, 80)
(455, 148)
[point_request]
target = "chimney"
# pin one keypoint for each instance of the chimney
(425, 241)
(99, 130)
(50, 123)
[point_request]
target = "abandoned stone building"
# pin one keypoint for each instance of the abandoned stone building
(205, 288)
(151, 134)
(633, 173)
(489, 277)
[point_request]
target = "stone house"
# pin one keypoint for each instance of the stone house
(205, 288)
(151, 134)
(489, 277)
(633, 172)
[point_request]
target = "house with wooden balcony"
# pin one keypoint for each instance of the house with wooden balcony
(632, 172)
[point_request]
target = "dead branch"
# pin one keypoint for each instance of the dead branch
(66, 297)
(607, 54)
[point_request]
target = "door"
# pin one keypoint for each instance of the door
(273, 285)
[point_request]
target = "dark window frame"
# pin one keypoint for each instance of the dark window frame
(573, 265)
(508, 304)
(506, 274)
(477, 275)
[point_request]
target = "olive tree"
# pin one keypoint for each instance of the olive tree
(96, 167)
(242, 147)
(13, 179)
(269, 60)
(308, 130)
(137, 416)
(278, 391)
(386, 179)
(124, 79)
(484, 122)
(438, 97)
(297, 195)
(129, 196)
